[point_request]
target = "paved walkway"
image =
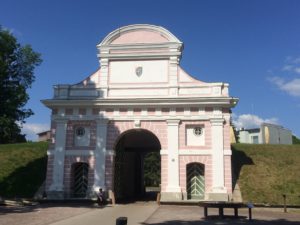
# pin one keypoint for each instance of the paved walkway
(41, 214)
(75, 214)
(137, 213)
(193, 215)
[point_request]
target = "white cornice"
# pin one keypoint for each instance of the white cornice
(183, 152)
(141, 46)
(147, 55)
(132, 117)
(178, 101)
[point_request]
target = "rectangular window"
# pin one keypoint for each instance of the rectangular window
(254, 139)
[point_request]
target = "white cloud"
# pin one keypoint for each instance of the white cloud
(31, 130)
(297, 70)
(292, 65)
(291, 87)
(249, 121)
(287, 68)
(296, 60)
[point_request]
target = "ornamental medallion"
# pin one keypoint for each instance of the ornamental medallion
(139, 71)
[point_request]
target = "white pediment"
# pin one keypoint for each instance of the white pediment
(140, 61)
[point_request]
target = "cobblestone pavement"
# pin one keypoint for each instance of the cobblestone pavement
(150, 213)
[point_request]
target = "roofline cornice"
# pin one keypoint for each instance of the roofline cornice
(207, 101)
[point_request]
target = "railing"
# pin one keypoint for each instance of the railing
(69, 92)
(91, 91)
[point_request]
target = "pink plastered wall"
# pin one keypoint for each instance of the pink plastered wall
(71, 126)
(109, 171)
(49, 174)
(91, 80)
(68, 176)
(141, 36)
(182, 134)
(116, 128)
(52, 135)
(226, 134)
(164, 172)
(184, 77)
(228, 173)
(203, 159)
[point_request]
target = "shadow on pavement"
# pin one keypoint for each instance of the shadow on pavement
(35, 208)
(212, 220)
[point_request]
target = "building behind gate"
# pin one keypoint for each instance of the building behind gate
(140, 100)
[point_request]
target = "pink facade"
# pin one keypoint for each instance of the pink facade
(140, 101)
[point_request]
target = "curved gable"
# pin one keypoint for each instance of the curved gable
(139, 33)
(140, 36)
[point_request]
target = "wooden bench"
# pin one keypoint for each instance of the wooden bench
(222, 205)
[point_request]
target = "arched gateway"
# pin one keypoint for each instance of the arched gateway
(131, 150)
(140, 100)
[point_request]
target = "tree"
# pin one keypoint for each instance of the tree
(17, 64)
(152, 169)
(296, 141)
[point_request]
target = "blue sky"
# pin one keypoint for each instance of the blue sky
(252, 45)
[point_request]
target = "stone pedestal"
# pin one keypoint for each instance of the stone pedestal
(55, 195)
(171, 196)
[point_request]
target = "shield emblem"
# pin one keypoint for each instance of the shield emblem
(139, 71)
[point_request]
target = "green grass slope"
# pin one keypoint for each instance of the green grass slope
(22, 168)
(266, 172)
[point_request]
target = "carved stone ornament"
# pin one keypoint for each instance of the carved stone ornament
(139, 71)
(197, 131)
(80, 131)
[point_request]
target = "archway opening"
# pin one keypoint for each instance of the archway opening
(195, 181)
(80, 179)
(137, 165)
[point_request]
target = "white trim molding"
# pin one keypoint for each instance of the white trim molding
(195, 152)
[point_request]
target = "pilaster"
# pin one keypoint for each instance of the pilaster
(104, 75)
(173, 189)
(56, 189)
(100, 153)
(218, 192)
(173, 75)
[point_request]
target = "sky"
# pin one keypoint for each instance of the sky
(252, 45)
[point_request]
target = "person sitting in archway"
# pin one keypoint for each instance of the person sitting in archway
(100, 197)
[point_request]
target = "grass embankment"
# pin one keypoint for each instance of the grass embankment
(22, 169)
(266, 172)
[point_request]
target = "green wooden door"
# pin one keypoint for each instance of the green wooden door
(195, 181)
(80, 182)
